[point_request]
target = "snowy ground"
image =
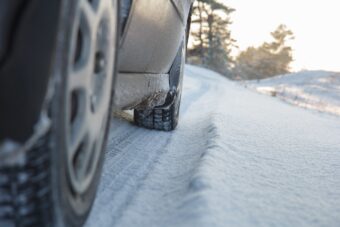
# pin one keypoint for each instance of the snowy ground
(238, 158)
(317, 90)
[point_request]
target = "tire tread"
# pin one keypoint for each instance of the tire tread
(25, 195)
(159, 119)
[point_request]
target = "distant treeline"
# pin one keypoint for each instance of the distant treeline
(212, 44)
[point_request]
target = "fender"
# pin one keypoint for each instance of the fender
(152, 36)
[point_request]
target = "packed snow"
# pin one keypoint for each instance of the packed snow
(316, 90)
(238, 158)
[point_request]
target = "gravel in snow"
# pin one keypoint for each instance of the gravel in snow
(238, 158)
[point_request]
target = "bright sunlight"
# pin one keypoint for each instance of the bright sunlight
(315, 25)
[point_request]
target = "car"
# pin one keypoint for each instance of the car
(150, 78)
(64, 66)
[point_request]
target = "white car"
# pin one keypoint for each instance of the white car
(61, 61)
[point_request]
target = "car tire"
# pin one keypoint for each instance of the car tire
(166, 117)
(56, 184)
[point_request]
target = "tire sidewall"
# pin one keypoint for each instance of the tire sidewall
(175, 108)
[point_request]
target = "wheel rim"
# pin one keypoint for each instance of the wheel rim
(89, 85)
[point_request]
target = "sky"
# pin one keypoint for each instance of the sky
(315, 23)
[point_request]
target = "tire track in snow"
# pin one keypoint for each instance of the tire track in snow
(171, 188)
(127, 163)
(135, 155)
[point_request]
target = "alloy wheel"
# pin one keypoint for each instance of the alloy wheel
(88, 89)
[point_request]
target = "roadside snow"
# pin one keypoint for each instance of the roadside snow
(237, 159)
(317, 90)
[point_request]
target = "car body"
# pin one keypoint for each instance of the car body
(150, 41)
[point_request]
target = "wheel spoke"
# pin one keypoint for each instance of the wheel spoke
(86, 162)
(100, 6)
(79, 78)
(103, 104)
(89, 16)
(82, 48)
(95, 143)
(77, 137)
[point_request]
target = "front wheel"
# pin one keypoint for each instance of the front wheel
(82, 110)
(57, 184)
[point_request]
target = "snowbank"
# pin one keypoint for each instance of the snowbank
(317, 90)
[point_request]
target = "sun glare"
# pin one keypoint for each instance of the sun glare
(315, 25)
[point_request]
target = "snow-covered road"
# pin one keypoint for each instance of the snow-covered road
(237, 159)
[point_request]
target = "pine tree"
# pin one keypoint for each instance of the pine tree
(267, 60)
(212, 40)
